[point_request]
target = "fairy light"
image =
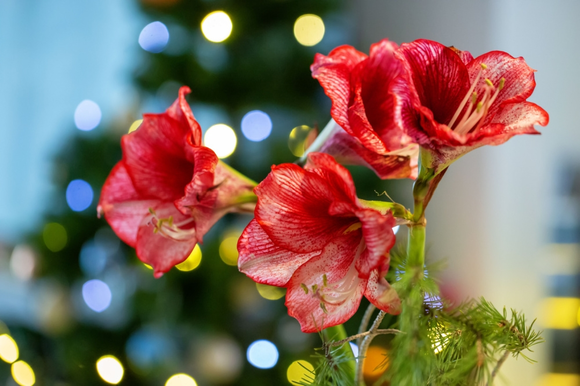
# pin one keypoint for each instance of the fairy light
(87, 115)
(192, 261)
(110, 369)
(216, 26)
(154, 37)
(54, 236)
(180, 380)
(298, 138)
(560, 313)
(309, 30)
(221, 139)
(23, 373)
(270, 292)
(135, 125)
(262, 354)
(8, 349)
(300, 371)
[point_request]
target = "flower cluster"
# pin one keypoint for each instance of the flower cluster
(403, 112)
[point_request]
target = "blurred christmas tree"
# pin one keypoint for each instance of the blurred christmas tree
(85, 295)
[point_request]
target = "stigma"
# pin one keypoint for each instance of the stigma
(476, 111)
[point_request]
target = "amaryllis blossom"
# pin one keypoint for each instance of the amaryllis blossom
(168, 190)
(456, 103)
(312, 235)
(365, 106)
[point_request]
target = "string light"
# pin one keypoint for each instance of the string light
(299, 372)
(135, 125)
(79, 195)
(110, 369)
(23, 373)
(270, 292)
(154, 37)
(180, 380)
(262, 354)
(216, 26)
(309, 30)
(228, 250)
(97, 295)
(299, 138)
(87, 115)
(192, 261)
(8, 349)
(54, 236)
(256, 125)
(221, 139)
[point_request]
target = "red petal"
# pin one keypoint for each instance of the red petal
(123, 207)
(159, 251)
(264, 261)
(519, 78)
(181, 112)
(334, 74)
(293, 208)
(336, 263)
(334, 174)
(439, 77)
(347, 150)
(156, 159)
(380, 293)
(379, 238)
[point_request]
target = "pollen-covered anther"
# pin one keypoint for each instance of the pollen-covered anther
(475, 111)
(167, 228)
(337, 293)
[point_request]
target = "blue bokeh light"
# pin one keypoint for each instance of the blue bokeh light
(87, 115)
(92, 259)
(97, 295)
(79, 195)
(262, 354)
(147, 348)
(154, 37)
(256, 125)
(354, 349)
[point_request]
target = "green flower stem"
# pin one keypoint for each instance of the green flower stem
(336, 333)
(416, 246)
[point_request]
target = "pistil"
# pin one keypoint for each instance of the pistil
(174, 231)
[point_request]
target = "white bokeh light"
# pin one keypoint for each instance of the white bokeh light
(256, 125)
(262, 354)
(97, 295)
(221, 139)
(87, 115)
(154, 37)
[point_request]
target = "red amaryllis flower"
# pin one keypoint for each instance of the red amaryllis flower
(168, 190)
(365, 105)
(312, 235)
(457, 103)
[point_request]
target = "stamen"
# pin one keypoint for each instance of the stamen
(167, 228)
(466, 98)
(488, 82)
(483, 66)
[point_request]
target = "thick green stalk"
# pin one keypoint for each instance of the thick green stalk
(334, 334)
(416, 246)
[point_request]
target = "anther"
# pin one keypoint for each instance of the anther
(483, 66)
(488, 82)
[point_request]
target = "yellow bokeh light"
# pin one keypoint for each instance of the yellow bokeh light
(375, 364)
(110, 369)
(229, 250)
(270, 292)
(8, 348)
(216, 26)
(309, 30)
(54, 236)
(23, 374)
(300, 372)
(300, 137)
(554, 379)
(221, 139)
(181, 380)
(135, 125)
(560, 313)
(148, 266)
(192, 262)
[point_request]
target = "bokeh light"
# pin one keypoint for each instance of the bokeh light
(228, 250)
(221, 139)
(8, 348)
(97, 295)
(560, 313)
(92, 259)
(54, 236)
(300, 372)
(181, 380)
(270, 292)
(354, 349)
(154, 37)
(262, 354)
(23, 262)
(23, 373)
(79, 195)
(256, 125)
(87, 115)
(216, 26)
(219, 359)
(135, 125)
(110, 369)
(396, 229)
(309, 30)
(375, 361)
(300, 138)
(192, 262)
(559, 379)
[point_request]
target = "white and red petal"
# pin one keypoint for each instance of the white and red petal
(163, 247)
(122, 205)
(292, 203)
(340, 293)
(181, 112)
(380, 293)
(265, 262)
(377, 231)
